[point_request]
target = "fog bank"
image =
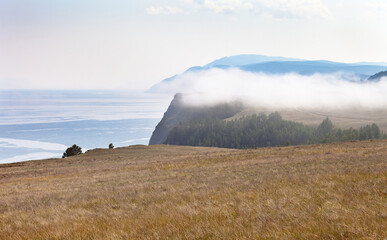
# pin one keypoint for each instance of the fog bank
(279, 91)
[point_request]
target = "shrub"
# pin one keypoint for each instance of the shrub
(72, 151)
(111, 146)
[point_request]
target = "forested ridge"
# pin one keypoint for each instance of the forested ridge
(262, 131)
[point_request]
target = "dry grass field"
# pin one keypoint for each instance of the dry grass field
(333, 191)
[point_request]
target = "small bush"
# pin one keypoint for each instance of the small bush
(111, 146)
(72, 151)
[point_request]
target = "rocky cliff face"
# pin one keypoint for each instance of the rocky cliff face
(170, 119)
(178, 112)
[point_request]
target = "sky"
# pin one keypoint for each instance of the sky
(131, 44)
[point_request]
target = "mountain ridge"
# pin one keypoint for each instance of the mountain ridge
(280, 65)
(246, 59)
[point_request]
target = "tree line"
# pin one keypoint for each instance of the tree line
(263, 131)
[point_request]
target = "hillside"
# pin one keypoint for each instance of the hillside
(332, 191)
(343, 118)
(264, 131)
(179, 112)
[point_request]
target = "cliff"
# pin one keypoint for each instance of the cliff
(179, 112)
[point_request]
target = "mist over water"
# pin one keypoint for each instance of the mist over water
(338, 90)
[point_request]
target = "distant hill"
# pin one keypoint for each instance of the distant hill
(280, 65)
(378, 76)
(312, 67)
(246, 59)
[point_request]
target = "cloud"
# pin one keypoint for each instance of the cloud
(375, 9)
(280, 91)
(377, 4)
(274, 8)
(219, 6)
(165, 10)
(295, 8)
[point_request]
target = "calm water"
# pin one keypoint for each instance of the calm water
(42, 124)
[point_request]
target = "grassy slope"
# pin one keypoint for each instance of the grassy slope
(343, 118)
(329, 191)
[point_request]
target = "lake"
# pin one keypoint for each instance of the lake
(42, 124)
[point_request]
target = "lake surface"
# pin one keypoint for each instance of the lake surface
(42, 124)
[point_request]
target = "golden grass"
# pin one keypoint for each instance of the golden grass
(333, 191)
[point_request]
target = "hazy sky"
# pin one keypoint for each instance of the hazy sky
(133, 44)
